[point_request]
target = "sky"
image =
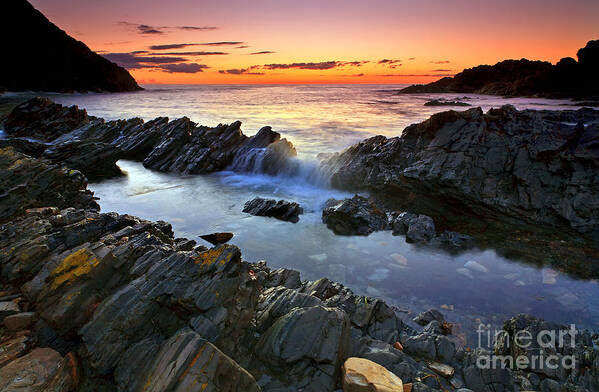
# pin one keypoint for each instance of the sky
(324, 41)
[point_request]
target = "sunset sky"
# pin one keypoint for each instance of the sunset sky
(325, 41)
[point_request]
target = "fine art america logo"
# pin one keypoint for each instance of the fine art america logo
(542, 351)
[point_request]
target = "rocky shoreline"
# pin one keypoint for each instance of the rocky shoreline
(104, 302)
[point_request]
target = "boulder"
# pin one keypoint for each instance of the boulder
(443, 102)
(355, 216)
(362, 375)
(417, 228)
(43, 369)
(279, 209)
(430, 315)
(20, 321)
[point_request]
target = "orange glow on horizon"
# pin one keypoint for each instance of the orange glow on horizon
(432, 39)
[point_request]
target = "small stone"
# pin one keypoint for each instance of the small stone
(466, 272)
(217, 238)
(549, 276)
(8, 308)
(475, 266)
(398, 346)
(20, 321)
(442, 369)
(362, 375)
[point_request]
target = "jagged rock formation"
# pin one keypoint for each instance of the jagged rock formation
(536, 166)
(568, 78)
(38, 56)
(280, 209)
(120, 304)
(93, 145)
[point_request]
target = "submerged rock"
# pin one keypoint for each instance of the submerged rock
(355, 216)
(279, 209)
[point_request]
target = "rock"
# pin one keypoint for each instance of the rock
(417, 228)
(430, 315)
(281, 209)
(217, 238)
(27, 183)
(93, 145)
(500, 165)
(20, 321)
(43, 369)
(69, 65)
(355, 216)
(453, 241)
(12, 349)
(475, 266)
(96, 160)
(442, 369)
(523, 77)
(8, 308)
(362, 375)
(188, 362)
(443, 102)
(312, 341)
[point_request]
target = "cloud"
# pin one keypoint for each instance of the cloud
(412, 58)
(134, 61)
(442, 70)
(413, 75)
(183, 68)
(189, 53)
(241, 47)
(181, 46)
(240, 71)
(314, 66)
(221, 43)
(390, 63)
(145, 29)
(440, 62)
(264, 52)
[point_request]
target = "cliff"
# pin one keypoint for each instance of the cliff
(41, 57)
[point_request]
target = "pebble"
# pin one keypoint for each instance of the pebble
(465, 272)
(549, 276)
(475, 266)
(400, 259)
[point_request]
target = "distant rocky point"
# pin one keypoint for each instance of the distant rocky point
(38, 56)
(568, 78)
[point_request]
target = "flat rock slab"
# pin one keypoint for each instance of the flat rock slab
(43, 369)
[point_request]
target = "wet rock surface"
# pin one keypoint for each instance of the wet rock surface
(120, 304)
(279, 209)
(355, 216)
(528, 166)
(92, 145)
(443, 102)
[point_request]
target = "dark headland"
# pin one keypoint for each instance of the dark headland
(568, 78)
(38, 56)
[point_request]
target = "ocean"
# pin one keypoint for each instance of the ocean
(474, 286)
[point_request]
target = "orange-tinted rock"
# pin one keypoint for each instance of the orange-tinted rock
(363, 375)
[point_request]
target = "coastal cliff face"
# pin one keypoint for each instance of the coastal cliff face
(568, 78)
(42, 57)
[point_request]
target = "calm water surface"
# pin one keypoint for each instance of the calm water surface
(472, 286)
